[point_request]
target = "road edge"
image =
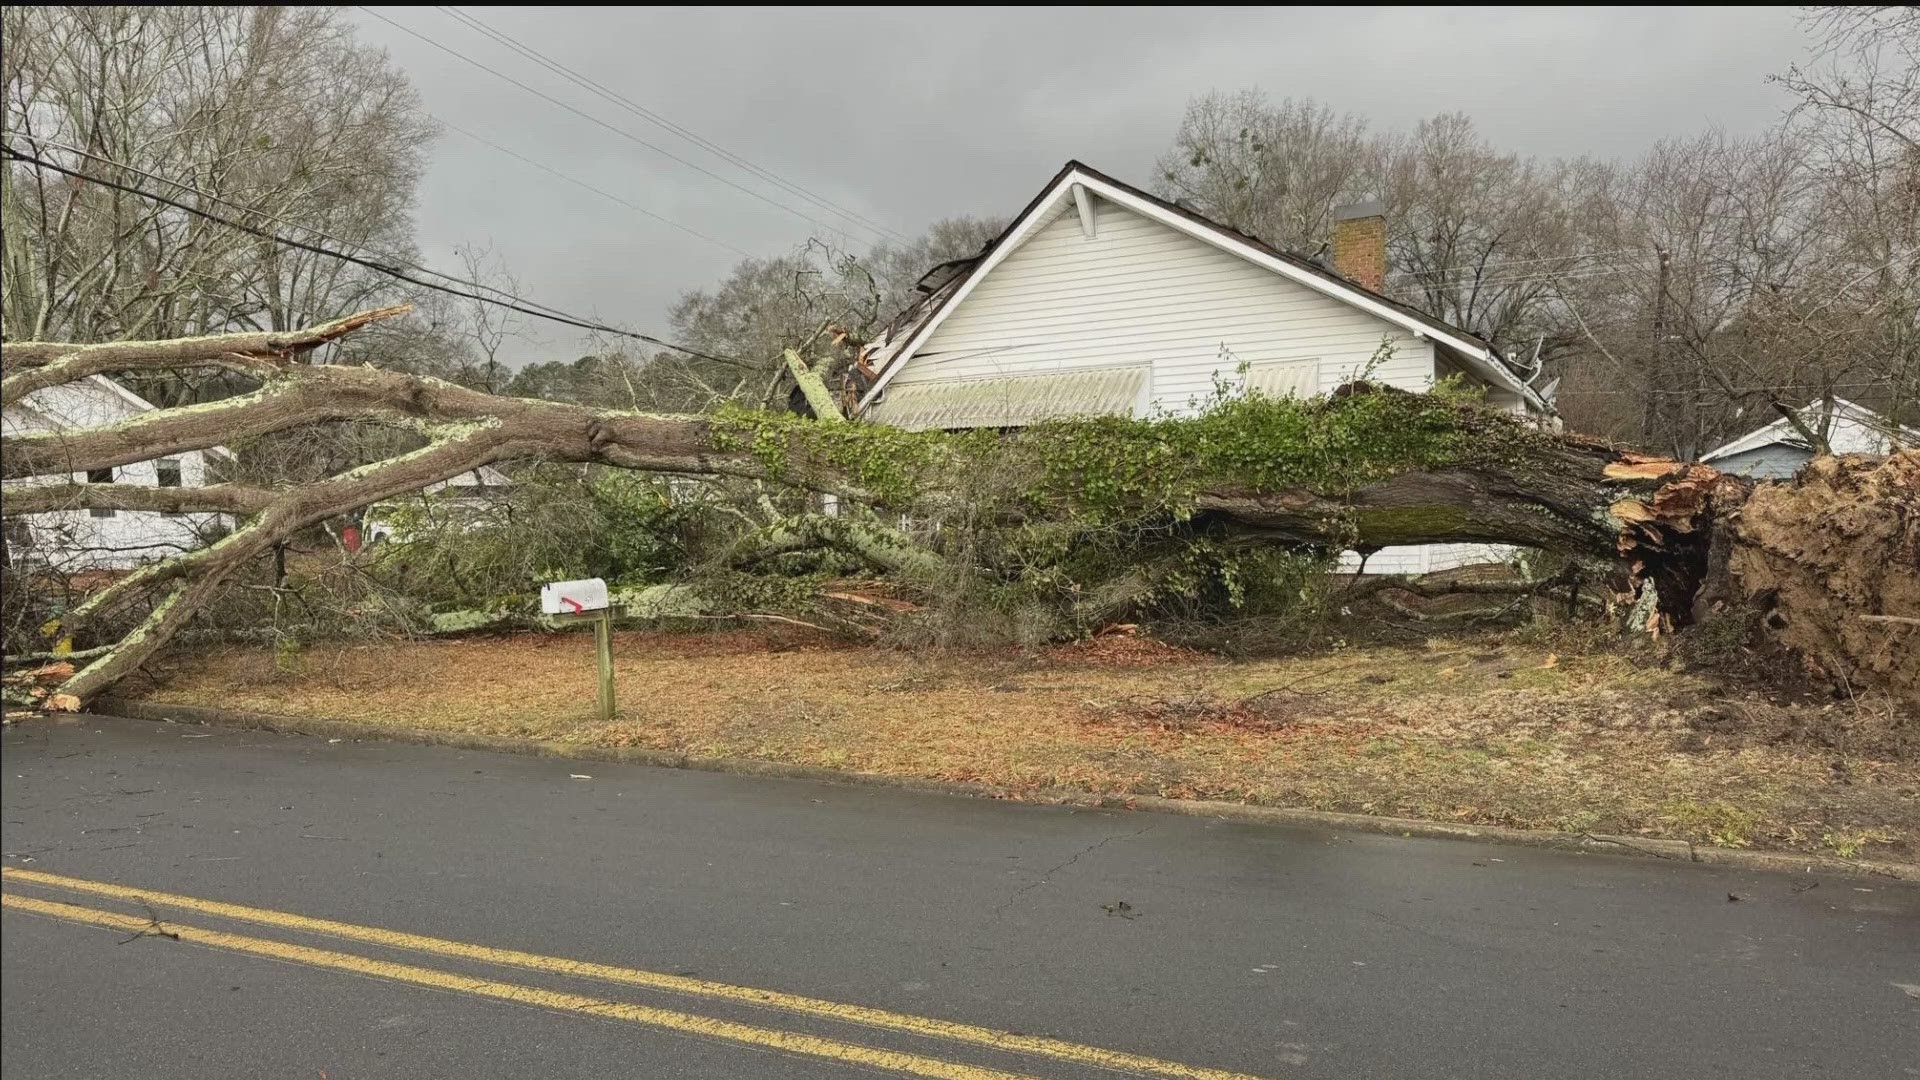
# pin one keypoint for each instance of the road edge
(1639, 846)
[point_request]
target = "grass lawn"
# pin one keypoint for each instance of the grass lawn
(1493, 729)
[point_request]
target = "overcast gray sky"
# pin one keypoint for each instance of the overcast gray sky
(905, 116)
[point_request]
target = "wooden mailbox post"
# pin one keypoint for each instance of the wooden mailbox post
(578, 601)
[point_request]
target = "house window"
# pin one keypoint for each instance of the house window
(168, 472)
(1293, 378)
(100, 476)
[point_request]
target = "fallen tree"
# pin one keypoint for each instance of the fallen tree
(1366, 468)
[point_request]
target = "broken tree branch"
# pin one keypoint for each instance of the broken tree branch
(36, 365)
(819, 398)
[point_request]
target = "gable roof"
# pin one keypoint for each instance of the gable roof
(1781, 433)
(914, 326)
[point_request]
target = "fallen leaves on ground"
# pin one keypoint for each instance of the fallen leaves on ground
(1488, 731)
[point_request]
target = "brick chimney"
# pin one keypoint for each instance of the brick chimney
(1360, 244)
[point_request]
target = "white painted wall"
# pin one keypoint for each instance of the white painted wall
(1774, 461)
(78, 539)
(1140, 292)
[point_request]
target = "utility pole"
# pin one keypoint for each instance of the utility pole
(1657, 356)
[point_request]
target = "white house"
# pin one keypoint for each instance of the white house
(466, 495)
(75, 540)
(1776, 450)
(1100, 298)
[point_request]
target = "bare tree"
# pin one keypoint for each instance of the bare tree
(488, 326)
(1868, 58)
(1779, 273)
(1475, 232)
(898, 268)
(271, 116)
(1715, 230)
(1861, 115)
(820, 298)
(1275, 171)
(1470, 228)
(1716, 283)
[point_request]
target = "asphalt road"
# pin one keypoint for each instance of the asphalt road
(1271, 952)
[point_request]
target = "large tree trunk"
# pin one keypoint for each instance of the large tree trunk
(1660, 518)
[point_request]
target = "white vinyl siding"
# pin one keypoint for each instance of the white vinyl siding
(74, 540)
(1411, 561)
(1774, 461)
(1417, 559)
(1140, 292)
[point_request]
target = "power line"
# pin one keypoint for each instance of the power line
(1518, 279)
(603, 193)
(1503, 264)
(655, 118)
(623, 133)
(210, 197)
(1708, 390)
(550, 314)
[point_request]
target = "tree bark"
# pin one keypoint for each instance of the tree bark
(36, 365)
(1570, 494)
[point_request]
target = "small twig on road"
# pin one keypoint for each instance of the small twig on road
(153, 927)
(1047, 875)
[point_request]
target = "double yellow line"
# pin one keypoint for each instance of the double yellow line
(577, 1004)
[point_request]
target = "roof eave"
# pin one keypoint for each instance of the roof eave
(1490, 367)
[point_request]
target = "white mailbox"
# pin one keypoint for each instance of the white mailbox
(573, 597)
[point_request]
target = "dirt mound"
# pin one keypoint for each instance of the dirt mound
(1872, 728)
(1835, 558)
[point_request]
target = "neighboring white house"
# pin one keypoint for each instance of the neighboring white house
(1777, 451)
(74, 540)
(467, 494)
(1100, 298)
